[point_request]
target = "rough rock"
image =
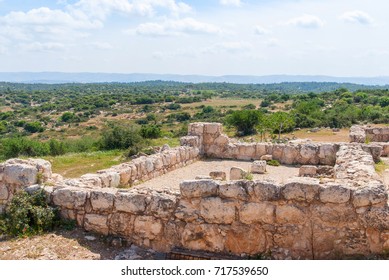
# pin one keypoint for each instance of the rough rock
(258, 167)
(237, 173)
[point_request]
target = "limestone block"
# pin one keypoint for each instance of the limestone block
(373, 194)
(277, 151)
(245, 240)
(70, 198)
(385, 149)
(3, 191)
(334, 193)
(266, 191)
(289, 214)
(202, 237)
(109, 179)
(251, 213)
(188, 211)
(217, 211)
(102, 200)
(191, 141)
(130, 202)
(91, 180)
(20, 174)
(222, 140)
(309, 154)
(290, 154)
(237, 173)
(258, 167)
(149, 165)
(327, 154)
(213, 128)
(162, 205)
(308, 171)
(234, 190)
(260, 150)
(218, 175)
(247, 151)
(357, 134)
(374, 150)
(96, 223)
(198, 188)
(267, 157)
(301, 189)
(121, 224)
(196, 129)
(147, 227)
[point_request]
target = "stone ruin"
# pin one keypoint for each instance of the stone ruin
(339, 208)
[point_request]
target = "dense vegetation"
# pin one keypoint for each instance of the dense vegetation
(41, 120)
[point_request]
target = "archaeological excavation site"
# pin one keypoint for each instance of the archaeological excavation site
(216, 195)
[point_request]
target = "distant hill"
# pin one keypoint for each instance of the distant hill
(60, 77)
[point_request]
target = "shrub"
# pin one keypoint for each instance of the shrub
(33, 127)
(121, 137)
(244, 121)
(273, 162)
(28, 214)
(150, 131)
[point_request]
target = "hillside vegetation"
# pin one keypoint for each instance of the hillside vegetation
(56, 120)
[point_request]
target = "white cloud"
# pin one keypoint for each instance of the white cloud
(236, 3)
(273, 42)
(306, 21)
(43, 47)
(103, 8)
(229, 47)
(357, 17)
(260, 30)
(186, 52)
(176, 27)
(101, 45)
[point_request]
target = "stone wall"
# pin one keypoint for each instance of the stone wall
(305, 218)
(361, 134)
(211, 141)
(16, 174)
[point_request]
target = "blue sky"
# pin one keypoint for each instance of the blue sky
(217, 37)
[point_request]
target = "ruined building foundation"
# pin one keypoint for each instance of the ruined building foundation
(303, 218)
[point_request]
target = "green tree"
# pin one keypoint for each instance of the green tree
(281, 121)
(244, 121)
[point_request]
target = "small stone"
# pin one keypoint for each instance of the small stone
(267, 157)
(90, 238)
(237, 173)
(218, 175)
(258, 167)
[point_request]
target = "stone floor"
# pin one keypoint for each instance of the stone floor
(172, 179)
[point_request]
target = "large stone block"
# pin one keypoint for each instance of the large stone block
(96, 223)
(301, 189)
(70, 198)
(147, 227)
(289, 214)
(20, 174)
(234, 190)
(202, 237)
(242, 239)
(3, 191)
(102, 200)
(198, 188)
(217, 211)
(266, 191)
(308, 171)
(162, 205)
(130, 202)
(372, 194)
(251, 213)
(334, 193)
(218, 175)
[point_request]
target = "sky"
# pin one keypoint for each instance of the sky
(346, 38)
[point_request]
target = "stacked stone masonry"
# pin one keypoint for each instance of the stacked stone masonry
(304, 218)
(378, 136)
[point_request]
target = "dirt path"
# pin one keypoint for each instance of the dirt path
(172, 179)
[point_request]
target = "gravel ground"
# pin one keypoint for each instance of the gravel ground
(172, 179)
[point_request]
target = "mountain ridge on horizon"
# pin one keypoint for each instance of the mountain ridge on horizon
(91, 77)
